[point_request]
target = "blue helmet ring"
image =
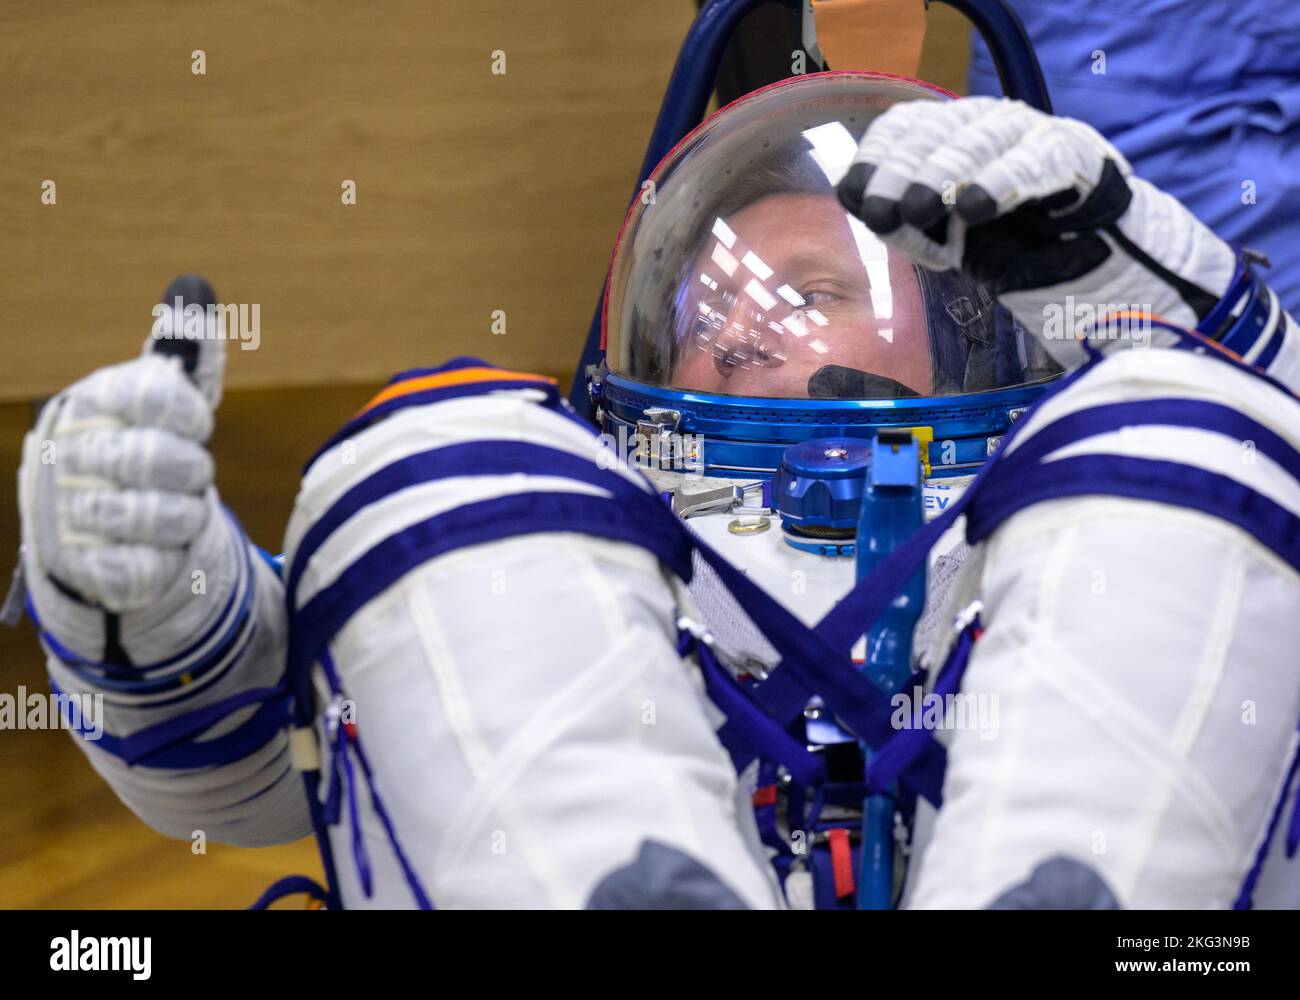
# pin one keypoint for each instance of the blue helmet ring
(745, 437)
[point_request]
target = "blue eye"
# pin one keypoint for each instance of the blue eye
(819, 297)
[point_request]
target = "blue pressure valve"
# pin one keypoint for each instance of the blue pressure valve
(819, 490)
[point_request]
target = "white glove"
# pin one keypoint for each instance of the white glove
(120, 481)
(1038, 208)
(132, 563)
(118, 507)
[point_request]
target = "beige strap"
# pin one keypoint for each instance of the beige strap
(304, 753)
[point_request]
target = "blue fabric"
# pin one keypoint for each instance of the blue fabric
(1273, 347)
(767, 819)
(320, 825)
(1217, 320)
(1252, 301)
(1172, 412)
(1199, 95)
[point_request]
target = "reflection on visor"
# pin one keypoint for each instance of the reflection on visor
(745, 276)
(785, 286)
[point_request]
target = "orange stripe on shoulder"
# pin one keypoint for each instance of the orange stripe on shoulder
(443, 380)
(1213, 345)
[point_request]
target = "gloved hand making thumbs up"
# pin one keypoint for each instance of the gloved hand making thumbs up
(117, 493)
(149, 598)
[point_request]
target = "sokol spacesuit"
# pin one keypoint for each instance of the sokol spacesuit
(503, 664)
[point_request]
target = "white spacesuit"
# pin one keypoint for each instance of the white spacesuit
(512, 673)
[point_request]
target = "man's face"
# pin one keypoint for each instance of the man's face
(786, 286)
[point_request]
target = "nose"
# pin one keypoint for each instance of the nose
(749, 338)
(739, 314)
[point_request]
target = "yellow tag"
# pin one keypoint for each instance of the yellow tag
(924, 437)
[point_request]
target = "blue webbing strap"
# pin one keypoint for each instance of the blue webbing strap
(631, 514)
(766, 819)
(1293, 828)
(1239, 333)
(314, 625)
(754, 732)
(487, 457)
(899, 753)
(1218, 323)
(289, 886)
(1227, 499)
(628, 513)
(1274, 346)
(1171, 412)
(171, 744)
(812, 663)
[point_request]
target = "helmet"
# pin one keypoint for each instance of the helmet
(747, 307)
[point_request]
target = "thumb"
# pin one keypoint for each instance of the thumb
(189, 327)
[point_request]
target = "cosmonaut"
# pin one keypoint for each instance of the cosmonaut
(511, 671)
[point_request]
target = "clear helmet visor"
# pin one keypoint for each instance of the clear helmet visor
(738, 271)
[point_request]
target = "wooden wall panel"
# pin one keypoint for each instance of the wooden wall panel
(475, 191)
(945, 56)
